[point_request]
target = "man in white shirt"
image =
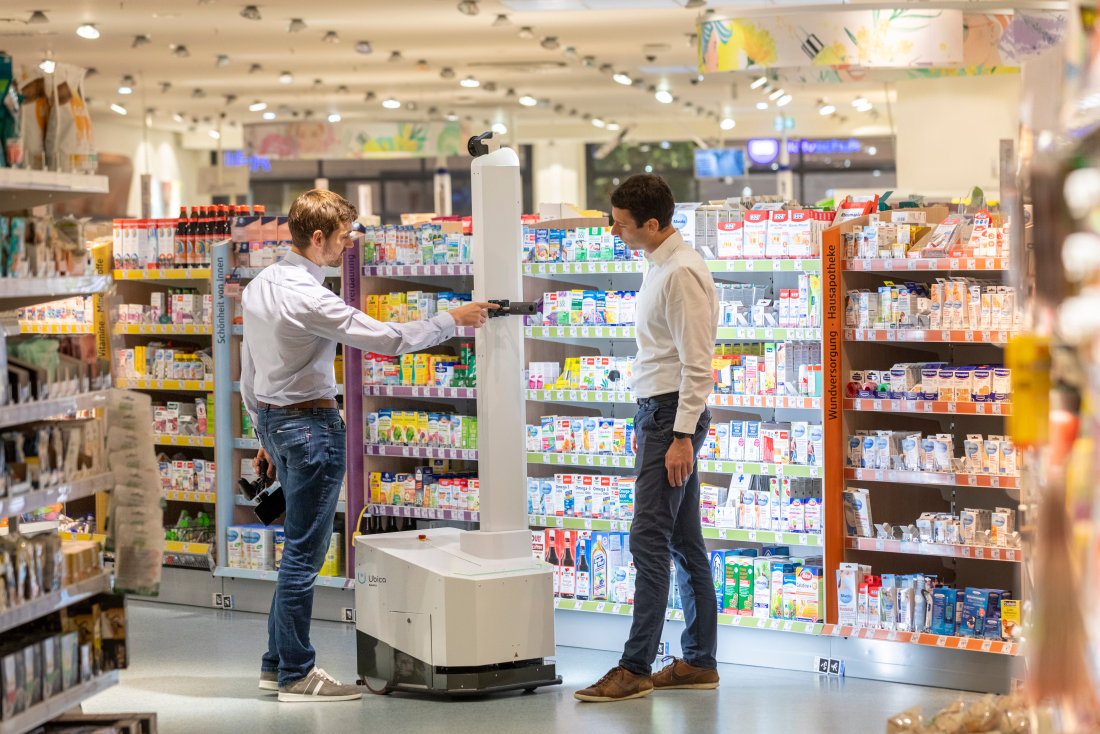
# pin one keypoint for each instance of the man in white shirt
(292, 323)
(676, 325)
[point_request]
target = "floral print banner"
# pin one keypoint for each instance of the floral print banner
(308, 140)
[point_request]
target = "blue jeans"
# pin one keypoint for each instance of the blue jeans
(309, 453)
(667, 523)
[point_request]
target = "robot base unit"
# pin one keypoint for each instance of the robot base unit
(433, 619)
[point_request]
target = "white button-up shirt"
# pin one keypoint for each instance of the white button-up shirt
(291, 325)
(676, 325)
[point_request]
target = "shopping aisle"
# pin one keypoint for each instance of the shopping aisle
(198, 668)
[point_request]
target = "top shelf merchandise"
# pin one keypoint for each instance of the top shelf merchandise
(164, 244)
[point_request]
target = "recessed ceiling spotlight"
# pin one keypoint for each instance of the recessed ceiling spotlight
(826, 109)
(468, 7)
(257, 106)
(38, 17)
(663, 96)
(88, 30)
(598, 122)
(859, 102)
(422, 65)
(528, 101)
(607, 69)
(164, 86)
(363, 47)
(550, 43)
(296, 25)
(452, 117)
(589, 61)
(369, 97)
(214, 134)
(391, 104)
(223, 60)
(229, 99)
(286, 78)
(572, 113)
(92, 71)
(140, 40)
(784, 100)
(727, 124)
(570, 53)
(395, 56)
(181, 52)
(250, 12)
(119, 109)
(510, 93)
(334, 117)
(470, 82)
(255, 68)
(501, 21)
(126, 86)
(178, 117)
(526, 33)
(760, 81)
(761, 105)
(269, 115)
(622, 78)
(446, 73)
(411, 106)
(559, 108)
(198, 94)
(489, 86)
(865, 108)
(776, 94)
(342, 89)
(331, 37)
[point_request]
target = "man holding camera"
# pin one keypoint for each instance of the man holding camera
(292, 323)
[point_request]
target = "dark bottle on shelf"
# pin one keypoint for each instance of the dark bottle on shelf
(192, 240)
(584, 578)
(552, 559)
(179, 249)
(391, 525)
(568, 586)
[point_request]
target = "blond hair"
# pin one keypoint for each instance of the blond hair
(318, 209)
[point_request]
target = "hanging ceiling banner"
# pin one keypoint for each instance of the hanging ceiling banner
(861, 44)
(315, 140)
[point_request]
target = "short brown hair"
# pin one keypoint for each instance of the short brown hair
(646, 196)
(318, 210)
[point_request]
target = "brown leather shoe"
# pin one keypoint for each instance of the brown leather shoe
(679, 674)
(618, 685)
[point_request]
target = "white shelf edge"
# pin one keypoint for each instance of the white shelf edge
(52, 495)
(19, 413)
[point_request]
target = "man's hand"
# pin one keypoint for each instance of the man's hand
(472, 314)
(262, 455)
(679, 460)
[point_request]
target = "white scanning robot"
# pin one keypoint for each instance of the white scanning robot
(455, 612)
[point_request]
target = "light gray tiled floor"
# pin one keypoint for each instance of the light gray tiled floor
(197, 669)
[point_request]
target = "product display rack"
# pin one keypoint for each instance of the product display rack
(55, 706)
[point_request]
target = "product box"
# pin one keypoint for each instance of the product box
(761, 587)
(718, 576)
(848, 578)
(808, 594)
(975, 610)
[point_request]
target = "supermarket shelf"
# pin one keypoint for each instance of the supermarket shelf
(82, 536)
(399, 271)
(176, 496)
(409, 391)
(774, 470)
(878, 265)
(997, 481)
(164, 439)
(164, 329)
(26, 327)
(47, 603)
(579, 332)
(423, 452)
(24, 188)
(784, 265)
(944, 336)
(763, 401)
(13, 415)
(979, 552)
(600, 460)
(337, 582)
(424, 513)
(246, 443)
(727, 620)
(54, 706)
(46, 288)
(609, 267)
(166, 274)
(949, 642)
(242, 501)
(192, 549)
(181, 385)
(52, 495)
(601, 607)
(936, 407)
(811, 540)
(31, 528)
(768, 334)
(581, 396)
(577, 523)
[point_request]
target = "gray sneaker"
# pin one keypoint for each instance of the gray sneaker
(318, 686)
(269, 681)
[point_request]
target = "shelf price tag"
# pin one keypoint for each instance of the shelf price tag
(600, 606)
(972, 480)
(615, 609)
(941, 641)
(878, 405)
(578, 604)
(954, 264)
(880, 544)
(895, 405)
(752, 536)
(987, 645)
(560, 522)
(995, 554)
(1010, 555)
(892, 635)
(721, 533)
(788, 625)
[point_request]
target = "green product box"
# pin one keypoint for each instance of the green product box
(729, 603)
(744, 586)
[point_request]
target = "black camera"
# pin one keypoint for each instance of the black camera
(270, 501)
(477, 145)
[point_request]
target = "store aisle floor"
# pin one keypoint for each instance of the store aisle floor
(198, 670)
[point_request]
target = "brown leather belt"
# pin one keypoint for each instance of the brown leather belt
(304, 405)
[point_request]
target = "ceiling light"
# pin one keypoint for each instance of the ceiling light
(447, 73)
(784, 100)
(598, 122)
(452, 117)
(559, 108)
(395, 56)
(363, 47)
(334, 117)
(214, 134)
(693, 4)
(391, 104)
(499, 128)
(501, 21)
(422, 65)
(489, 86)
(470, 82)
(88, 30)
(317, 83)
(607, 69)
(296, 25)
(622, 78)
(761, 105)
(139, 41)
(761, 81)
(38, 17)
(859, 102)
(198, 94)
(250, 12)
(255, 68)
(369, 97)
(612, 126)
(331, 37)
(286, 78)
(528, 101)
(47, 65)
(550, 43)
(257, 106)
(222, 60)
(872, 150)
(181, 52)
(269, 115)
(727, 124)
(178, 117)
(510, 93)
(776, 94)
(526, 33)
(589, 61)
(865, 108)
(119, 109)
(229, 99)
(826, 109)
(468, 7)
(663, 96)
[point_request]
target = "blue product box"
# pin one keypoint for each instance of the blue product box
(975, 604)
(943, 611)
(718, 575)
(750, 552)
(599, 564)
(777, 550)
(991, 630)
